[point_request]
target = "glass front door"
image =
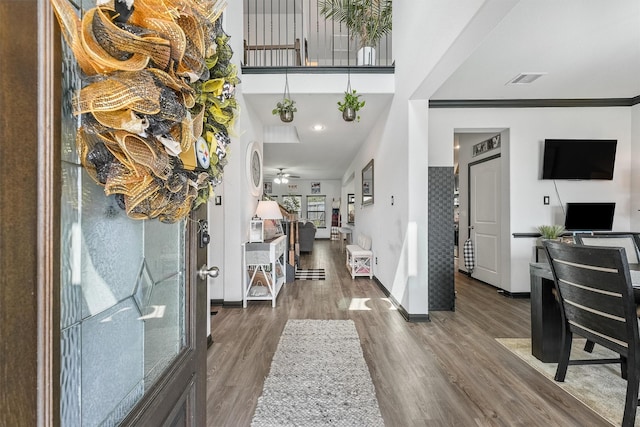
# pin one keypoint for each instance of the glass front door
(124, 293)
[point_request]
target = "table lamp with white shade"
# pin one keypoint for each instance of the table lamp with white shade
(269, 212)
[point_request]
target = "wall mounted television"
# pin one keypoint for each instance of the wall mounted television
(589, 216)
(578, 158)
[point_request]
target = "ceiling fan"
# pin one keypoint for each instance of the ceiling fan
(283, 178)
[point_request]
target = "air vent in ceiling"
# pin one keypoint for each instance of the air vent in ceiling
(280, 134)
(525, 78)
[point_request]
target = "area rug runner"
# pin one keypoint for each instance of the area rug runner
(310, 274)
(318, 378)
(599, 387)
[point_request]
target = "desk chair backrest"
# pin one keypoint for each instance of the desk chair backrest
(597, 302)
(595, 292)
(626, 241)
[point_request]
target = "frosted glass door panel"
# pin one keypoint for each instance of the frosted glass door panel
(123, 303)
(122, 292)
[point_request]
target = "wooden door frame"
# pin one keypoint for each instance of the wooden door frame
(30, 92)
(30, 195)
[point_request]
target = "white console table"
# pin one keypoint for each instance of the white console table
(263, 259)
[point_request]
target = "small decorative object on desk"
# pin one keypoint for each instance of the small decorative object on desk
(550, 232)
(256, 230)
(259, 291)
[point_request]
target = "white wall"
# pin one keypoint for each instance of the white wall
(400, 149)
(230, 221)
(635, 167)
(528, 128)
(330, 188)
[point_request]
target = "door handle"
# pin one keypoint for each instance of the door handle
(205, 272)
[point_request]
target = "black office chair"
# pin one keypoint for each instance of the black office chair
(596, 296)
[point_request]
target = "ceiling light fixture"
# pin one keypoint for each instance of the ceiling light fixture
(282, 177)
(318, 127)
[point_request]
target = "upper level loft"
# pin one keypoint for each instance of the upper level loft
(317, 34)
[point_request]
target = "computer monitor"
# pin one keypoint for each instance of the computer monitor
(589, 216)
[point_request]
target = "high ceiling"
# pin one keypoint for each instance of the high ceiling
(324, 154)
(583, 48)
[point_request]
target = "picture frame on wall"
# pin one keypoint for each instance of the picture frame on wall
(487, 145)
(267, 187)
(315, 188)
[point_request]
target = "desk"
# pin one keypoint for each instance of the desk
(268, 259)
(546, 320)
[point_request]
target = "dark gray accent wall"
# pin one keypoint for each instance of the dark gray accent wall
(440, 241)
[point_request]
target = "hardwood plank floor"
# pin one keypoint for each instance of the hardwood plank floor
(447, 372)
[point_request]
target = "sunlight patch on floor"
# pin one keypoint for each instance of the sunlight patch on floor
(365, 303)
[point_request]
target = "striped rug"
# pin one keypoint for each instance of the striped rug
(310, 274)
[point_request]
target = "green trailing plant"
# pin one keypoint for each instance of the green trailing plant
(291, 204)
(286, 105)
(368, 19)
(351, 100)
(551, 231)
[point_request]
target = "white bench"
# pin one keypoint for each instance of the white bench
(359, 258)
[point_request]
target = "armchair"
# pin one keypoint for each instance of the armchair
(306, 236)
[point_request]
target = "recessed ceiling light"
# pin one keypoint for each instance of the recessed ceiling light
(525, 78)
(318, 127)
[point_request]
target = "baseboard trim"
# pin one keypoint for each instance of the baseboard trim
(514, 294)
(232, 304)
(209, 341)
(413, 318)
(501, 291)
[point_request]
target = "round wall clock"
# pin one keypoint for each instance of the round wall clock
(254, 169)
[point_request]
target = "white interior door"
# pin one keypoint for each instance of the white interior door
(484, 219)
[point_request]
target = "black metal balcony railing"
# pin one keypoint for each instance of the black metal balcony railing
(293, 33)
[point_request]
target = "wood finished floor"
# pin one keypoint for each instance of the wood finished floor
(447, 372)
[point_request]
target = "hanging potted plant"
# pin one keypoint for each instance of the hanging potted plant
(287, 106)
(350, 106)
(369, 20)
(285, 109)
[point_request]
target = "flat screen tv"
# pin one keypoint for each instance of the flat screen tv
(578, 158)
(589, 216)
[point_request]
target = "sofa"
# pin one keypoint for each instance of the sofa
(306, 236)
